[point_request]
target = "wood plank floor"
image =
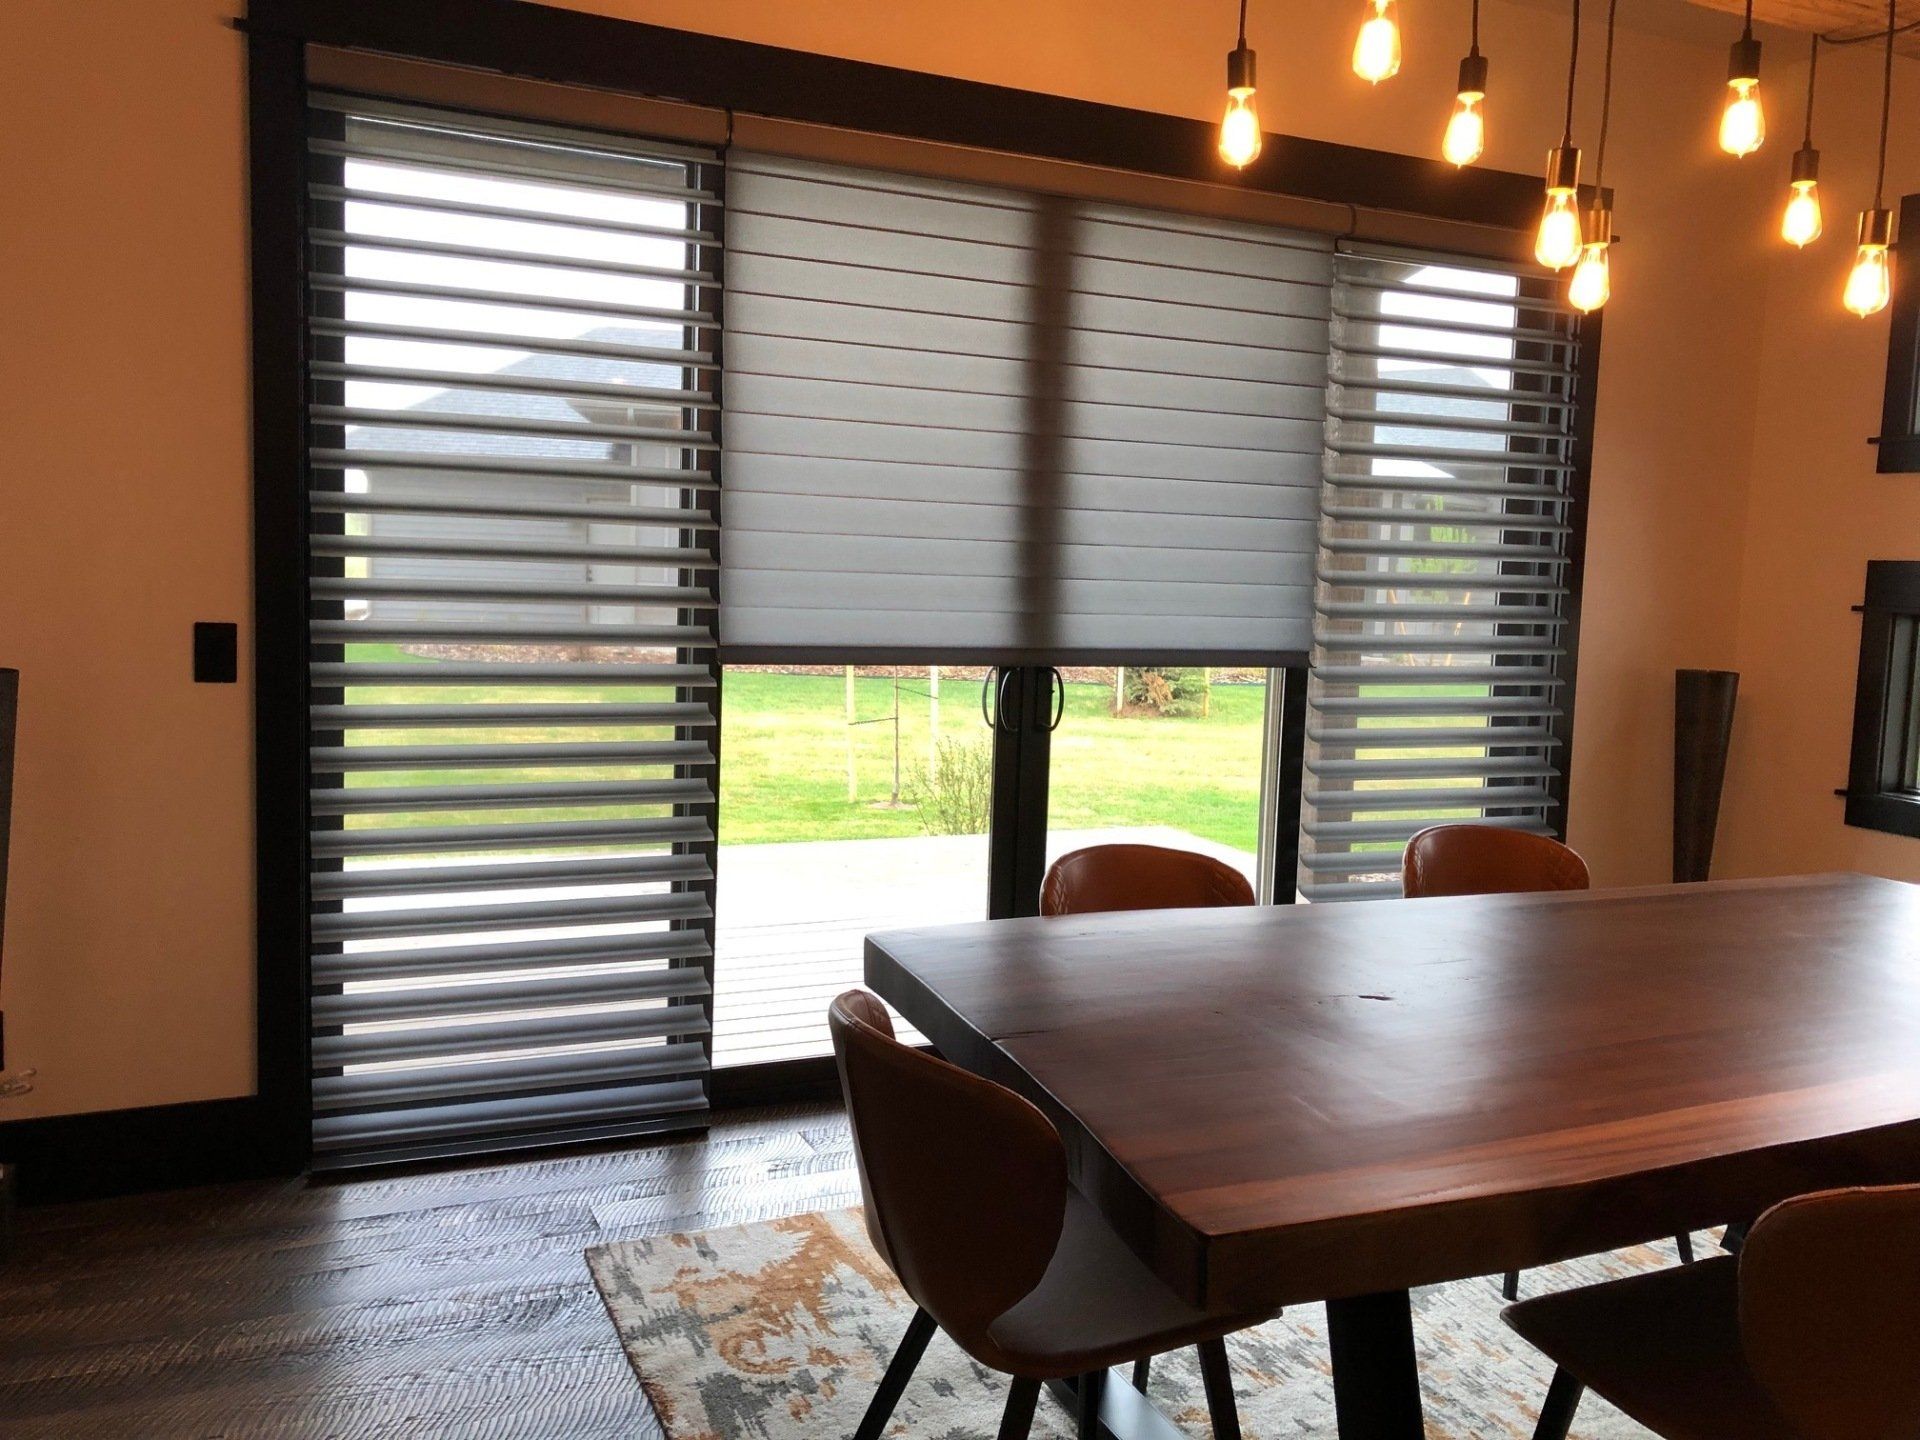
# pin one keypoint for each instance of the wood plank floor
(437, 1305)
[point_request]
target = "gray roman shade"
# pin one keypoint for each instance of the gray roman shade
(514, 466)
(981, 423)
(1441, 618)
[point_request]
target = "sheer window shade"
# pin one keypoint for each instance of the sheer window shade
(1441, 608)
(513, 468)
(976, 422)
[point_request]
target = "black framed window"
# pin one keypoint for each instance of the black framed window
(1900, 422)
(1883, 782)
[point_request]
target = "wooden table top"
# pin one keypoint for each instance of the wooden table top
(1289, 1103)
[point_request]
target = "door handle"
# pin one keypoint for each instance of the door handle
(1000, 721)
(1059, 698)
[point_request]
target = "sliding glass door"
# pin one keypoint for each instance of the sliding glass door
(853, 798)
(1167, 755)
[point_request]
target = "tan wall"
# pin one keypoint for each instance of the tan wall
(129, 955)
(1818, 512)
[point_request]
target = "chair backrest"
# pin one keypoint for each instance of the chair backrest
(1829, 1308)
(1487, 860)
(965, 1182)
(1139, 877)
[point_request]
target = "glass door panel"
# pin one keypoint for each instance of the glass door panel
(852, 799)
(1162, 756)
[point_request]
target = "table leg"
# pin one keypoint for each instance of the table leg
(1125, 1414)
(1376, 1380)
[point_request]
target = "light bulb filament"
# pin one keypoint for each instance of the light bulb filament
(1466, 137)
(1376, 50)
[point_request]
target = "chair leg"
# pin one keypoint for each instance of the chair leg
(1734, 1236)
(1556, 1414)
(1217, 1377)
(1017, 1420)
(1091, 1386)
(1510, 1285)
(1684, 1244)
(1142, 1368)
(899, 1370)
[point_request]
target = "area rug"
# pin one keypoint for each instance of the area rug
(781, 1329)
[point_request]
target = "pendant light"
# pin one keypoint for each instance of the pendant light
(1743, 124)
(1869, 285)
(1801, 222)
(1240, 128)
(1558, 243)
(1466, 137)
(1592, 283)
(1376, 49)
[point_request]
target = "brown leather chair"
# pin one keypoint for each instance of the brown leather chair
(1807, 1335)
(1465, 859)
(1487, 860)
(967, 1199)
(1139, 877)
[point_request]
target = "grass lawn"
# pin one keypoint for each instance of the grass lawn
(787, 748)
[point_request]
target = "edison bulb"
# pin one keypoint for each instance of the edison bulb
(1802, 223)
(1869, 286)
(1466, 134)
(1558, 243)
(1743, 124)
(1240, 130)
(1376, 51)
(1592, 281)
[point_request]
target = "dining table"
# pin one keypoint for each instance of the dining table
(1279, 1105)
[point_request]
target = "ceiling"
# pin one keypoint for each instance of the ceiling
(1830, 17)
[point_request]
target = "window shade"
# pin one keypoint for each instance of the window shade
(512, 481)
(975, 422)
(1441, 603)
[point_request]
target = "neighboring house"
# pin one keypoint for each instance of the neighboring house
(396, 482)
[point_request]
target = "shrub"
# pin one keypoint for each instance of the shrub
(956, 797)
(1172, 692)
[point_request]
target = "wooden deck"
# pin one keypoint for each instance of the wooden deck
(793, 921)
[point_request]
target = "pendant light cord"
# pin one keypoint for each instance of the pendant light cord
(1606, 104)
(1475, 48)
(1243, 22)
(1747, 33)
(1886, 105)
(1813, 71)
(1573, 72)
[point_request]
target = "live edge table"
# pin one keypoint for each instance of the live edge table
(1286, 1104)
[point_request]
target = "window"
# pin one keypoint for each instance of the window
(1883, 780)
(1900, 422)
(1440, 683)
(511, 631)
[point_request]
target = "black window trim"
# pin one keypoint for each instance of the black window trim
(1877, 794)
(1899, 439)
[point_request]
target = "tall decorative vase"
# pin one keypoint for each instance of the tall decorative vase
(1702, 730)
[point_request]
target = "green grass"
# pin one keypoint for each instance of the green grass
(786, 749)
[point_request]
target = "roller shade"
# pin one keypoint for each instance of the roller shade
(1441, 611)
(965, 421)
(513, 476)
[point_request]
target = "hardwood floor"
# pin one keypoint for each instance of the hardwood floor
(437, 1305)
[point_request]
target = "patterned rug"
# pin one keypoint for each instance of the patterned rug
(781, 1329)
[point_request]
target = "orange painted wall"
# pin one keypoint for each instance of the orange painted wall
(1818, 512)
(123, 378)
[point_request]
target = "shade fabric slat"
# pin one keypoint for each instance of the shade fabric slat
(512, 470)
(1010, 424)
(1441, 592)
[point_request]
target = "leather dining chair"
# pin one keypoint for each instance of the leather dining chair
(967, 1200)
(1139, 877)
(1806, 1335)
(1465, 859)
